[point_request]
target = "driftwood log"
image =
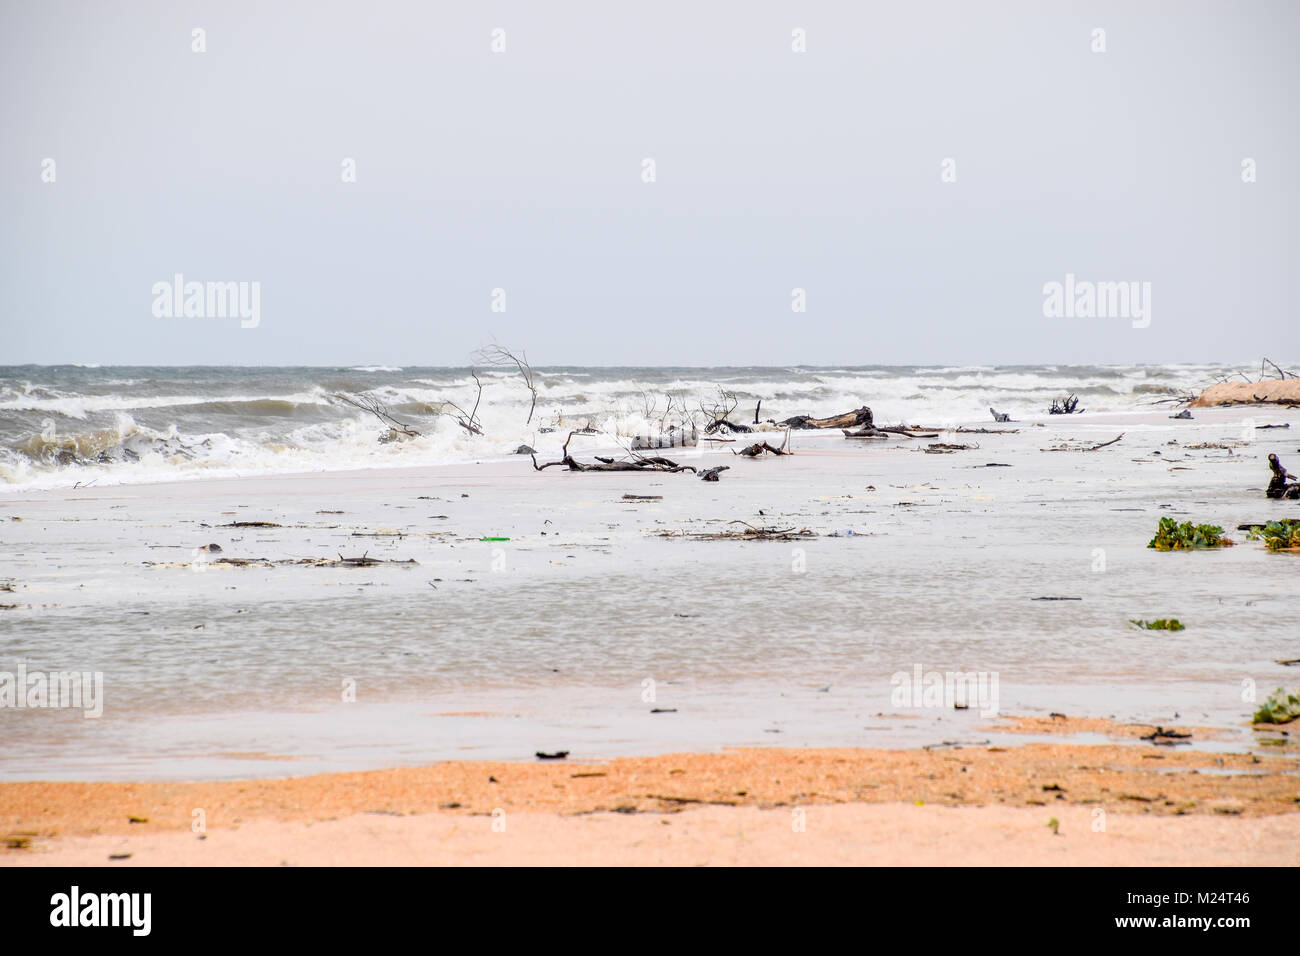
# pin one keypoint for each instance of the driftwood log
(717, 423)
(868, 431)
(758, 448)
(1278, 487)
(859, 416)
(946, 448)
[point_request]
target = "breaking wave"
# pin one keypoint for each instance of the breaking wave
(64, 424)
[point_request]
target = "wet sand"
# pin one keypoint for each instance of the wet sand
(944, 805)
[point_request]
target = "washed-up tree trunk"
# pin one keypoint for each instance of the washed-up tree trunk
(859, 416)
(1278, 487)
(673, 437)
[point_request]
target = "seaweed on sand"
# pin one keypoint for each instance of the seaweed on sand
(1280, 708)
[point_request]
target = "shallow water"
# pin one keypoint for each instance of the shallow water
(497, 649)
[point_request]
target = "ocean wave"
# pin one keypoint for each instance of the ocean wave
(129, 425)
(83, 406)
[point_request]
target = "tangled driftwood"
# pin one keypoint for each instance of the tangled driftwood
(719, 413)
(946, 448)
(748, 533)
(637, 463)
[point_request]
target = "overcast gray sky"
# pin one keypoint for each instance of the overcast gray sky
(774, 170)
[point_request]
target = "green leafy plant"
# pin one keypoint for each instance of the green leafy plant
(1280, 708)
(1161, 624)
(1277, 535)
(1172, 536)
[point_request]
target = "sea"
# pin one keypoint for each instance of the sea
(65, 424)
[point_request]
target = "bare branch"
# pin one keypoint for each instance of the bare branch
(1279, 371)
(369, 403)
(499, 356)
(719, 411)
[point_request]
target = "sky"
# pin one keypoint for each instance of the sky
(920, 170)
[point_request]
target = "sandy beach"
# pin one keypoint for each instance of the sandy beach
(1040, 804)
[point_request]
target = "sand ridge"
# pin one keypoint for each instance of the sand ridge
(1125, 779)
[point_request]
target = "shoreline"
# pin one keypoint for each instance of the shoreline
(497, 463)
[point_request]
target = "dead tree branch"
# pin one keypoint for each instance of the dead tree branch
(466, 420)
(499, 356)
(720, 411)
(1280, 372)
(369, 403)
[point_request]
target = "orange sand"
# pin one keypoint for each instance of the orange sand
(1270, 391)
(256, 820)
(854, 834)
